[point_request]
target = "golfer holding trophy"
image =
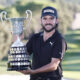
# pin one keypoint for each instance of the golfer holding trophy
(18, 58)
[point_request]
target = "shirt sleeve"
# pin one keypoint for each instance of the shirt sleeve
(29, 45)
(59, 49)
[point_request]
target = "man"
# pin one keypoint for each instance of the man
(48, 48)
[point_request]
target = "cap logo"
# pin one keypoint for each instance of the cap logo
(48, 10)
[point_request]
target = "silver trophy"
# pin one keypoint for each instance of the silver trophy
(18, 59)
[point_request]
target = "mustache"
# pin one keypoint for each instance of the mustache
(48, 24)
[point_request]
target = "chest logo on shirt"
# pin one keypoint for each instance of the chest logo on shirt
(51, 43)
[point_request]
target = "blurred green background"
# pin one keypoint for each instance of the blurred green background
(67, 9)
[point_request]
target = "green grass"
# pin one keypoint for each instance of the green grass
(71, 62)
(72, 74)
(3, 69)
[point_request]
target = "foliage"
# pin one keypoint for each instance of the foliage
(65, 15)
(5, 41)
(18, 9)
(73, 1)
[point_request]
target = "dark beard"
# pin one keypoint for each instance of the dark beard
(50, 29)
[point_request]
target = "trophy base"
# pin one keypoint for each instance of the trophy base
(17, 68)
(18, 59)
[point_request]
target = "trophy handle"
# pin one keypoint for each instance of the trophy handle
(3, 16)
(28, 12)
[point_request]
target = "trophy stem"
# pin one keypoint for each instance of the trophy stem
(17, 43)
(18, 38)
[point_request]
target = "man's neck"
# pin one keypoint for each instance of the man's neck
(47, 35)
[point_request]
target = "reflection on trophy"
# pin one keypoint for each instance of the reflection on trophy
(18, 58)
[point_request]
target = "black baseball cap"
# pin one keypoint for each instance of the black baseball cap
(49, 11)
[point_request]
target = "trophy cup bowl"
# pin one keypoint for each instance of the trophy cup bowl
(18, 58)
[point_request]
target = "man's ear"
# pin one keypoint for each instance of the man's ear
(56, 21)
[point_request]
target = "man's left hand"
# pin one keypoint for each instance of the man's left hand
(29, 71)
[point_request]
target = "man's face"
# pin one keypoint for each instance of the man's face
(48, 23)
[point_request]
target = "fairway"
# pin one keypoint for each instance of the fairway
(71, 62)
